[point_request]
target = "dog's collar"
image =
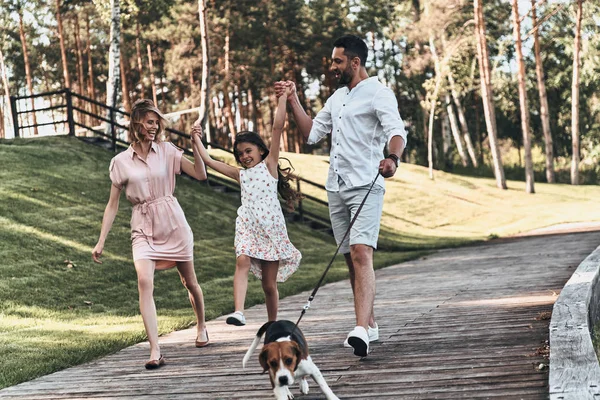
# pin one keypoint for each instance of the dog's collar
(284, 339)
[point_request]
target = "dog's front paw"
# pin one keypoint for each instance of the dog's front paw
(303, 386)
(290, 396)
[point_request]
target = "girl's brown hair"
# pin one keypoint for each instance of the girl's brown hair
(139, 110)
(284, 174)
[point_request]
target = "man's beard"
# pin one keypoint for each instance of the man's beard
(345, 77)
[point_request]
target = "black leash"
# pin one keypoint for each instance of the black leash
(316, 289)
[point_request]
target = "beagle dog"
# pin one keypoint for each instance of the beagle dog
(285, 356)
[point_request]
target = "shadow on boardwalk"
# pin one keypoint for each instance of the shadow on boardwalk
(461, 323)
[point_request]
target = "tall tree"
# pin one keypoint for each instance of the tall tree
(204, 88)
(6, 90)
(152, 76)
(454, 130)
(28, 76)
(138, 53)
(61, 39)
(91, 91)
(433, 102)
(487, 93)
(463, 120)
(575, 96)
(524, 106)
(112, 84)
(544, 114)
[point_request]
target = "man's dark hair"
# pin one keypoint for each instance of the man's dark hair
(353, 47)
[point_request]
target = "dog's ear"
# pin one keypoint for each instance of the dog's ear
(262, 358)
(297, 353)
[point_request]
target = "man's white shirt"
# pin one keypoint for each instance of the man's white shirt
(361, 122)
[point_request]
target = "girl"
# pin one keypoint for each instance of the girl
(261, 241)
(161, 237)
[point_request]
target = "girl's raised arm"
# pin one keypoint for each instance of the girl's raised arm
(218, 166)
(278, 123)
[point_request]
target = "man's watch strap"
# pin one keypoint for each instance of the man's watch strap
(395, 158)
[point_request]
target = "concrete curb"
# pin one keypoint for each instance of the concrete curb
(574, 367)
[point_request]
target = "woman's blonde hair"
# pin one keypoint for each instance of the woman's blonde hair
(139, 110)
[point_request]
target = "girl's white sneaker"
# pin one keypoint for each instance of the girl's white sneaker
(237, 319)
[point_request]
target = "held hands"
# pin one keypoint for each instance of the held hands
(285, 88)
(197, 133)
(97, 252)
(387, 167)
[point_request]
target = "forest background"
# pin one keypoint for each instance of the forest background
(506, 88)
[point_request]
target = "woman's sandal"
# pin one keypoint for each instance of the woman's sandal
(202, 343)
(154, 364)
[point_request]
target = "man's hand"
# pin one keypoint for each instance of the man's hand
(285, 88)
(387, 167)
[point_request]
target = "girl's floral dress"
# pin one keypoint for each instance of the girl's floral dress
(260, 230)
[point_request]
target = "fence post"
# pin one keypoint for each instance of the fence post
(15, 115)
(70, 119)
(112, 129)
(300, 211)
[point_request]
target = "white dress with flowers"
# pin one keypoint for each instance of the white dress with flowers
(260, 230)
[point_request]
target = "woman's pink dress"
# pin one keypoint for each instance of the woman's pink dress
(159, 230)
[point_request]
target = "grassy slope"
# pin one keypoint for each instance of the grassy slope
(52, 196)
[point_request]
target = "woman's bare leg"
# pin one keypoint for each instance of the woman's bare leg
(145, 274)
(190, 282)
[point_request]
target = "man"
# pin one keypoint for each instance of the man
(362, 117)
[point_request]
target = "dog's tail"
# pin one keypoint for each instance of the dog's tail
(255, 343)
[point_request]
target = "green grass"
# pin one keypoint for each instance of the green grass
(58, 308)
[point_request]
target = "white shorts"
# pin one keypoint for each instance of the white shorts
(343, 206)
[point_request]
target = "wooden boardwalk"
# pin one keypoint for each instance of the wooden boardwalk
(462, 323)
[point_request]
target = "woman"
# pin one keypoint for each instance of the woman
(161, 237)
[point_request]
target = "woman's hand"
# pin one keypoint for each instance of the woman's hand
(197, 133)
(97, 252)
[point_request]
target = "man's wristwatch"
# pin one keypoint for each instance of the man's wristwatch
(394, 158)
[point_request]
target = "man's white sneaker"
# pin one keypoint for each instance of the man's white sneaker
(237, 319)
(373, 335)
(358, 338)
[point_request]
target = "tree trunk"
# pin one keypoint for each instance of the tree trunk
(433, 100)
(487, 94)
(203, 110)
(138, 53)
(91, 92)
(162, 88)
(455, 132)
(544, 114)
(152, 78)
(47, 88)
(124, 85)
(523, 102)
(6, 90)
(226, 101)
(63, 51)
(112, 83)
(2, 134)
(27, 70)
(463, 121)
(446, 142)
(575, 97)
(80, 73)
